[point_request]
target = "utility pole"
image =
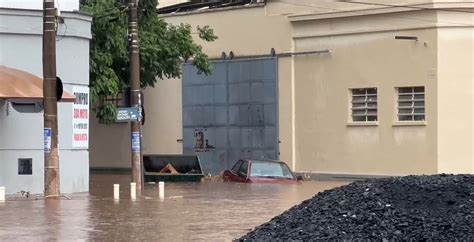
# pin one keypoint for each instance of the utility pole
(51, 157)
(135, 97)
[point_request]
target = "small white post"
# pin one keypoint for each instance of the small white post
(116, 191)
(2, 194)
(133, 190)
(161, 189)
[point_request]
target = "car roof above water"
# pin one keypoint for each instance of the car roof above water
(265, 160)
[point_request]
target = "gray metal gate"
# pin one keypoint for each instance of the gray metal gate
(231, 114)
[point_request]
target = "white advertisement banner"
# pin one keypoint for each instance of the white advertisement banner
(80, 117)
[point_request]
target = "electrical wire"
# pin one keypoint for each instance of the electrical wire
(417, 19)
(408, 6)
(376, 4)
(112, 13)
(61, 37)
(306, 5)
(120, 6)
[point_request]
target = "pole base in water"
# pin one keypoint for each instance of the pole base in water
(2, 194)
(161, 190)
(116, 191)
(133, 191)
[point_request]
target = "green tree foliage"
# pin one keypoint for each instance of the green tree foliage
(163, 48)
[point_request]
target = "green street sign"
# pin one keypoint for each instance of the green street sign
(127, 114)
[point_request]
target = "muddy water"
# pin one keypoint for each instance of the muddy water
(194, 211)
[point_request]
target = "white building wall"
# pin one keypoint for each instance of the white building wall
(21, 134)
(167, 3)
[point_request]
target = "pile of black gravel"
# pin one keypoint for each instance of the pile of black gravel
(435, 207)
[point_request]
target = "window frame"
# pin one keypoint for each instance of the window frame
(415, 117)
(244, 164)
(237, 165)
(25, 162)
(367, 107)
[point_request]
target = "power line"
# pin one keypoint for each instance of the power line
(409, 6)
(305, 5)
(111, 13)
(122, 8)
(417, 19)
(378, 4)
(61, 37)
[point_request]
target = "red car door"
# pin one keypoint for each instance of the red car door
(233, 174)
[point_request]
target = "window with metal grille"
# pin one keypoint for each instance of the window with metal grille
(364, 104)
(25, 166)
(411, 103)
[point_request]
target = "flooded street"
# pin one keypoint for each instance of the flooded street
(191, 211)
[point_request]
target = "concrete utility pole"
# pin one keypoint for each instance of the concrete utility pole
(135, 91)
(51, 157)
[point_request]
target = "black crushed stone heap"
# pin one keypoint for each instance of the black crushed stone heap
(438, 207)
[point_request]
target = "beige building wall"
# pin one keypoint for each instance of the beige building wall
(243, 30)
(364, 54)
(456, 93)
(162, 132)
(285, 111)
(109, 145)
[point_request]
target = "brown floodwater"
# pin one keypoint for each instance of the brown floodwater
(213, 211)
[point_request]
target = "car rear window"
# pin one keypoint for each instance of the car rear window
(270, 169)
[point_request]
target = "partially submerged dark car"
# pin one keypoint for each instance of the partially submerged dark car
(261, 171)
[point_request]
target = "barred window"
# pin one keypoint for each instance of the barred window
(364, 104)
(411, 103)
(25, 166)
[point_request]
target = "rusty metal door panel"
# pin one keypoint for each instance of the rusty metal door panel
(256, 115)
(208, 116)
(208, 95)
(257, 92)
(188, 138)
(244, 115)
(222, 137)
(235, 137)
(258, 138)
(270, 136)
(219, 72)
(231, 114)
(220, 94)
(222, 117)
(269, 93)
(270, 115)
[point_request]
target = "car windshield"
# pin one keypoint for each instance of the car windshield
(270, 169)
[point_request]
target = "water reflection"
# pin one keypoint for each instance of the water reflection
(45, 220)
(191, 211)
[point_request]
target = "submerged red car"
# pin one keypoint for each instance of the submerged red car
(261, 171)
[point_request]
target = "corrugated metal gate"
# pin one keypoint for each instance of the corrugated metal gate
(231, 114)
